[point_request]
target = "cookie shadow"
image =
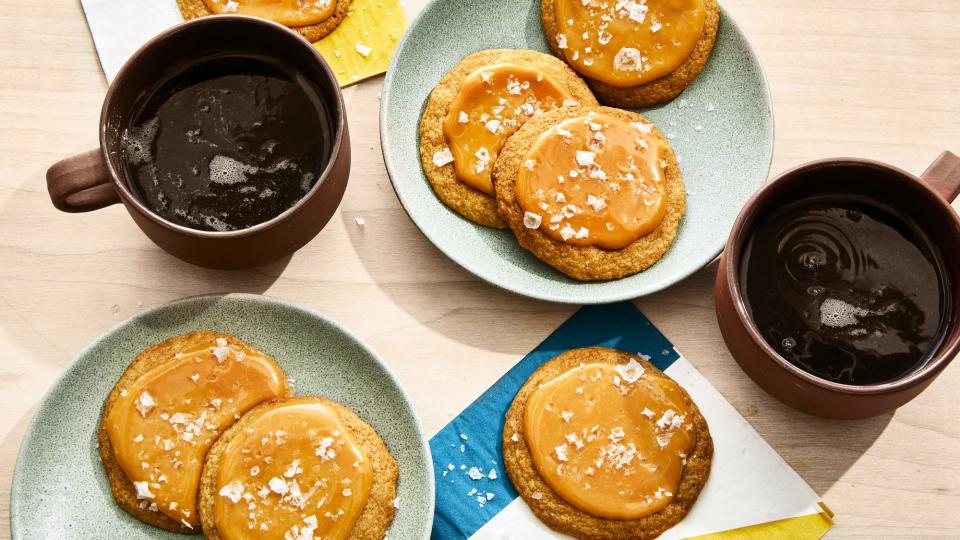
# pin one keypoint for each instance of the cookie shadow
(438, 293)
(533, 29)
(102, 483)
(8, 460)
(819, 449)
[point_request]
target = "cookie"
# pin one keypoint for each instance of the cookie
(565, 517)
(470, 202)
(649, 93)
(315, 497)
(192, 9)
(127, 410)
(587, 263)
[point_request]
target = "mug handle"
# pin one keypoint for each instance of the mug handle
(81, 183)
(943, 176)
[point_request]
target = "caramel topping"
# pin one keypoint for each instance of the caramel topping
(165, 421)
(292, 473)
(286, 12)
(610, 440)
(493, 102)
(628, 42)
(594, 180)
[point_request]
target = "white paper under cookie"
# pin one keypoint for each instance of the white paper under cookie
(749, 482)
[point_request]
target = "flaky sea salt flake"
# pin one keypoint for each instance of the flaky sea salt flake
(232, 491)
(631, 371)
(145, 403)
(442, 157)
(363, 49)
(143, 491)
(532, 220)
(628, 59)
(585, 158)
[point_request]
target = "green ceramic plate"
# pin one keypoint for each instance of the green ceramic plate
(59, 487)
(721, 128)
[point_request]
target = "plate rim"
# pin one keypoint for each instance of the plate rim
(16, 478)
(603, 298)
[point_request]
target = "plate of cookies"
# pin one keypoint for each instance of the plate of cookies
(231, 416)
(570, 151)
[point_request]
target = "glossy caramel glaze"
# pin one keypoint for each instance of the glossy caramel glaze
(610, 439)
(294, 472)
(626, 43)
(492, 103)
(162, 424)
(594, 180)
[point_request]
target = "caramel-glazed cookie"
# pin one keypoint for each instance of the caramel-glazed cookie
(630, 451)
(661, 89)
(157, 433)
(562, 87)
(575, 255)
(192, 9)
(262, 493)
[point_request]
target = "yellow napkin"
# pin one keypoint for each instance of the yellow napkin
(363, 44)
(808, 527)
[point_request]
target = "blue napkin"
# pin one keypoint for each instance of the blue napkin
(472, 486)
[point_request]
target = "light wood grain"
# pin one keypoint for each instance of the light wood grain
(870, 78)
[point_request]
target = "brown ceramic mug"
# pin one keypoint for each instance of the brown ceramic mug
(95, 179)
(925, 199)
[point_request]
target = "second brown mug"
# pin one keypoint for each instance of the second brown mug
(925, 199)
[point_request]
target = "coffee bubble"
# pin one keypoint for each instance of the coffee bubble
(836, 313)
(228, 171)
(138, 140)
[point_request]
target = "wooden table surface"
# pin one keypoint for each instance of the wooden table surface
(869, 78)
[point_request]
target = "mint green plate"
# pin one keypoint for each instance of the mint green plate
(59, 487)
(721, 128)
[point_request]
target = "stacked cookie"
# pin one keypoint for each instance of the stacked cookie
(516, 138)
(202, 434)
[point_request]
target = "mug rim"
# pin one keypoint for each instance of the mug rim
(118, 178)
(733, 251)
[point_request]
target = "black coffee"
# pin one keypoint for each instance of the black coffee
(846, 289)
(228, 143)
